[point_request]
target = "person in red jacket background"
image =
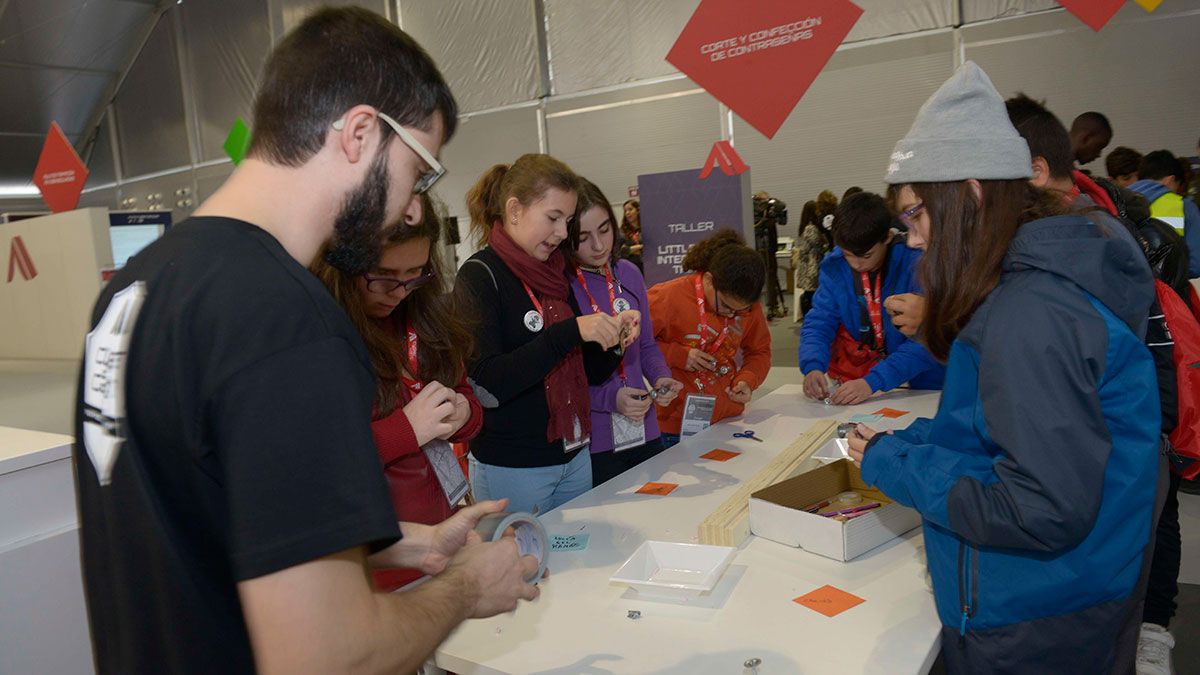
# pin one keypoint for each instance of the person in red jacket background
(418, 340)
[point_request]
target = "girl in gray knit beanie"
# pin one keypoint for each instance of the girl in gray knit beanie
(1037, 477)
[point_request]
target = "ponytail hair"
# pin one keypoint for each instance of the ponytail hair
(527, 179)
(736, 268)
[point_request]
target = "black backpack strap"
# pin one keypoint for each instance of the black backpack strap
(486, 267)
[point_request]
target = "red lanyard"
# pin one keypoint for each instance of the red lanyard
(413, 384)
(533, 298)
(612, 290)
(700, 306)
(874, 305)
(612, 299)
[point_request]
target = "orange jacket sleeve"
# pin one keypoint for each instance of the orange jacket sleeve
(665, 314)
(756, 349)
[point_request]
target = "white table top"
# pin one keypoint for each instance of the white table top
(580, 623)
(22, 448)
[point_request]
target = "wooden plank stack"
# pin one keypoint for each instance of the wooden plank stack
(729, 524)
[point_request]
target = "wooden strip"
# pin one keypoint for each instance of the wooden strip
(729, 523)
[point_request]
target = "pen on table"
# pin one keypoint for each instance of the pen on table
(856, 509)
(817, 507)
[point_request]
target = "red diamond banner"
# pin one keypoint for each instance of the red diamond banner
(760, 57)
(1095, 13)
(60, 174)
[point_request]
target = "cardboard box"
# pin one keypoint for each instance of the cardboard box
(775, 513)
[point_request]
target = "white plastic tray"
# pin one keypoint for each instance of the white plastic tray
(832, 451)
(672, 570)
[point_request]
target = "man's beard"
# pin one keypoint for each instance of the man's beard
(357, 240)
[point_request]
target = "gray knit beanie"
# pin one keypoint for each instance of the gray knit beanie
(961, 132)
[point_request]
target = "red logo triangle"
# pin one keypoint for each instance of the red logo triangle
(19, 261)
(724, 156)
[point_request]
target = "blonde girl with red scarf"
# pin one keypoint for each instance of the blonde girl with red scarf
(536, 354)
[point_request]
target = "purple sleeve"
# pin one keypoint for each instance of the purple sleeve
(654, 365)
(604, 397)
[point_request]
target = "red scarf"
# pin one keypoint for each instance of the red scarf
(566, 384)
(1087, 186)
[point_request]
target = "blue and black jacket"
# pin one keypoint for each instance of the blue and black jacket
(1036, 479)
(838, 303)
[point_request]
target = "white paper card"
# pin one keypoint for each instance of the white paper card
(104, 360)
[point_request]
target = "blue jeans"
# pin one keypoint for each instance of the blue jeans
(532, 489)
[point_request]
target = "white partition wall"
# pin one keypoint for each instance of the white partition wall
(49, 282)
(1140, 71)
(43, 615)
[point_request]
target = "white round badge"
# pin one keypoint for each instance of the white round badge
(620, 305)
(533, 321)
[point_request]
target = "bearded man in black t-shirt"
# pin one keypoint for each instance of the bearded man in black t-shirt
(230, 495)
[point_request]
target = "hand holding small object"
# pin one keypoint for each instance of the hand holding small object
(858, 439)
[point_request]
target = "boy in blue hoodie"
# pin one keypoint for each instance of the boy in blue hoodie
(845, 336)
(1162, 184)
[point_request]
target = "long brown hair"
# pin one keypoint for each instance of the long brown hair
(626, 226)
(968, 239)
(527, 179)
(444, 328)
(589, 197)
(826, 203)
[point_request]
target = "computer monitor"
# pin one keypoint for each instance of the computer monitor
(132, 231)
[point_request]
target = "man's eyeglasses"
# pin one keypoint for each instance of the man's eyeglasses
(426, 180)
(723, 310)
(911, 212)
(389, 285)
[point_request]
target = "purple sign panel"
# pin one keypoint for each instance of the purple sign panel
(679, 209)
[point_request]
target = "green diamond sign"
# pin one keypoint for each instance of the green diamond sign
(238, 141)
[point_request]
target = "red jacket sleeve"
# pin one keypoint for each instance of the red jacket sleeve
(475, 421)
(394, 436)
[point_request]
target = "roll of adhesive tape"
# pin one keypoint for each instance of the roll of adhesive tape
(530, 534)
(848, 499)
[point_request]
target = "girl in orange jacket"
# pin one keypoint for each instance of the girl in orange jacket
(711, 329)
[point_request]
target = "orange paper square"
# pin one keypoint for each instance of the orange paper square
(829, 601)
(719, 455)
(889, 412)
(660, 489)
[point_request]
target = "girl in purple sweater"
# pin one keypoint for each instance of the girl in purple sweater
(624, 427)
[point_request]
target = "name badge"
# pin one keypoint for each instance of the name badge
(697, 414)
(620, 305)
(581, 440)
(627, 432)
(447, 469)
